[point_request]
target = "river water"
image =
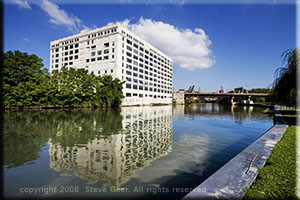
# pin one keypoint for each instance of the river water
(134, 152)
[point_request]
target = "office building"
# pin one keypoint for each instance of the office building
(116, 51)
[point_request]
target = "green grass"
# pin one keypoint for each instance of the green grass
(277, 179)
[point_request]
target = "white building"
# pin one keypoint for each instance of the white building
(116, 51)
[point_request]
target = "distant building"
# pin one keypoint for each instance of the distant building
(222, 89)
(239, 90)
(116, 51)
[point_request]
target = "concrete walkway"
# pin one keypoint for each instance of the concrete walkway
(231, 180)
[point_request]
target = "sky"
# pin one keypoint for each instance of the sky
(211, 44)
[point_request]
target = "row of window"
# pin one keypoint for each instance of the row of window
(105, 51)
(113, 30)
(142, 81)
(141, 95)
(146, 88)
(66, 47)
(99, 58)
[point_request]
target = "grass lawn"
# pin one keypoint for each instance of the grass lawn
(277, 179)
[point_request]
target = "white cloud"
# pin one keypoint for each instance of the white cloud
(188, 48)
(61, 17)
(26, 39)
(21, 4)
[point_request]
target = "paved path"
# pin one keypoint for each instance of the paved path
(231, 180)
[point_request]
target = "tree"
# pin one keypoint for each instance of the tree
(284, 85)
(21, 77)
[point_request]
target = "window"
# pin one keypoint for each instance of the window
(129, 42)
(140, 87)
(57, 60)
(93, 47)
(99, 52)
(76, 57)
(87, 60)
(76, 45)
(111, 71)
(136, 46)
(93, 53)
(93, 59)
(128, 94)
(71, 58)
(128, 54)
(128, 85)
(71, 46)
(66, 53)
(70, 63)
(129, 48)
(129, 60)
(128, 66)
(105, 58)
(76, 50)
(56, 55)
(106, 44)
(106, 51)
(99, 58)
(128, 72)
(134, 87)
(128, 78)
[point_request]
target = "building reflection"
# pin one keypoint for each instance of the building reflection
(146, 135)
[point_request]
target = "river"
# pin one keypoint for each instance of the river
(134, 152)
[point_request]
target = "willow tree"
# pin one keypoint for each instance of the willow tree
(284, 85)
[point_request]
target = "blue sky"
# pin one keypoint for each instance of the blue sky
(236, 45)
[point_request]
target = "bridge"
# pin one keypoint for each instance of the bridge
(181, 96)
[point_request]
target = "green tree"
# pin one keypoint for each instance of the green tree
(21, 77)
(108, 91)
(284, 85)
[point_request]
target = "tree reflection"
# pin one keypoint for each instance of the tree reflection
(25, 133)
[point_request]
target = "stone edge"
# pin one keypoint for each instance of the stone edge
(231, 180)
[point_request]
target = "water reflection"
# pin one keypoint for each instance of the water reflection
(25, 133)
(237, 113)
(163, 146)
(146, 135)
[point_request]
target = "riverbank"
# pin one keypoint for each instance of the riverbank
(231, 180)
(277, 179)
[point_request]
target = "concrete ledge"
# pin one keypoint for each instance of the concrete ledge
(231, 180)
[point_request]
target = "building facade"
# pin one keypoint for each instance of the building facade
(116, 51)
